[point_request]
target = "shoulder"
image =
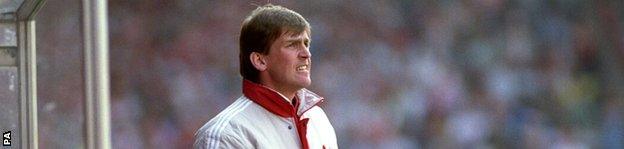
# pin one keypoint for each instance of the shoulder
(224, 128)
(226, 140)
(320, 129)
(318, 117)
(316, 112)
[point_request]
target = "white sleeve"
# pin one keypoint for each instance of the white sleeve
(222, 142)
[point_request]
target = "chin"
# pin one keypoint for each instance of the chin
(304, 83)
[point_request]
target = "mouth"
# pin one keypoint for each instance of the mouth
(304, 67)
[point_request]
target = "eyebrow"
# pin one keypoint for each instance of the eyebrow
(298, 40)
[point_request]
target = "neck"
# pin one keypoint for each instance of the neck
(286, 93)
(289, 94)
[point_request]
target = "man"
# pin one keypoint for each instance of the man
(275, 111)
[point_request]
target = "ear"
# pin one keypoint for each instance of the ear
(258, 61)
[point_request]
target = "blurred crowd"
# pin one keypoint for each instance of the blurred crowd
(394, 74)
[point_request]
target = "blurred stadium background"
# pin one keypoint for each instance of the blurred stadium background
(395, 74)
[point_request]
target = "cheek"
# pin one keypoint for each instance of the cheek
(285, 61)
(281, 65)
(288, 60)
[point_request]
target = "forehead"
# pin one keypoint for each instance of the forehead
(290, 35)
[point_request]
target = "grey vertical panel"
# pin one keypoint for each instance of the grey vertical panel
(9, 105)
(8, 34)
(22, 17)
(96, 74)
(28, 84)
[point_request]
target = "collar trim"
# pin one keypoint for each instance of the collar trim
(277, 103)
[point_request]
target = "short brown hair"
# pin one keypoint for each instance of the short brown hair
(260, 29)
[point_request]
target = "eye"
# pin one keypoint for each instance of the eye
(292, 44)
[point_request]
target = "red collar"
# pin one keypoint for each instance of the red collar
(278, 104)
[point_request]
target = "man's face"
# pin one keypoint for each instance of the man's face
(289, 61)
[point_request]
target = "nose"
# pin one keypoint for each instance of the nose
(305, 53)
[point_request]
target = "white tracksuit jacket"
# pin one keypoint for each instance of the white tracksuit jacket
(264, 119)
